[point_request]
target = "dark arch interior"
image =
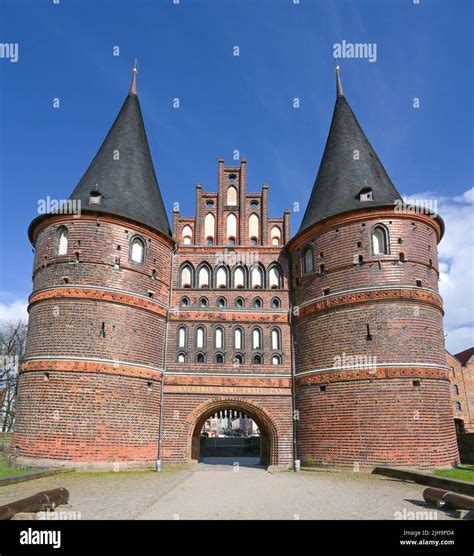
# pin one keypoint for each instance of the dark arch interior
(239, 446)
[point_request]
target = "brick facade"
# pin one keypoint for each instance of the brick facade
(372, 386)
(334, 348)
(461, 377)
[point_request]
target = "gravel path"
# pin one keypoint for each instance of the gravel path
(222, 492)
(103, 495)
(214, 491)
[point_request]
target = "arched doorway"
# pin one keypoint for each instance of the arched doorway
(262, 445)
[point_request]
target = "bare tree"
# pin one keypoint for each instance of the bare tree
(12, 349)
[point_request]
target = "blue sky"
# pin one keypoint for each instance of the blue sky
(232, 102)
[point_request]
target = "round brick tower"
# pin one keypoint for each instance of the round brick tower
(90, 385)
(371, 379)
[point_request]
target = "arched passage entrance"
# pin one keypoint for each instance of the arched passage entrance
(266, 427)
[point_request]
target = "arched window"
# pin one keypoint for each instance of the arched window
(276, 338)
(239, 277)
(256, 277)
(219, 338)
(200, 358)
(379, 240)
(458, 406)
(181, 357)
(239, 303)
(238, 338)
(63, 241)
(221, 303)
(275, 235)
(200, 337)
(257, 303)
(254, 227)
(238, 359)
(308, 264)
(186, 277)
(274, 277)
(138, 250)
(276, 303)
(232, 196)
(219, 359)
(209, 227)
(257, 359)
(203, 302)
(204, 277)
(187, 235)
(231, 233)
(221, 278)
(182, 337)
(256, 338)
(184, 302)
(456, 390)
(276, 360)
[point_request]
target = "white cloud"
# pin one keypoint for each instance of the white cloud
(456, 259)
(14, 310)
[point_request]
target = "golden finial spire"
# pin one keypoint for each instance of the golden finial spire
(133, 84)
(338, 83)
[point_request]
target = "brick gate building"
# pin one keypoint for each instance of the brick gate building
(331, 341)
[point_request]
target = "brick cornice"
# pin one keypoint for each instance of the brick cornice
(360, 216)
(381, 372)
(418, 295)
(229, 316)
(98, 294)
(89, 366)
(54, 219)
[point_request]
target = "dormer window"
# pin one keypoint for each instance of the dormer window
(366, 194)
(95, 198)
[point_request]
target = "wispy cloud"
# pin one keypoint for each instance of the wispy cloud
(456, 253)
(13, 310)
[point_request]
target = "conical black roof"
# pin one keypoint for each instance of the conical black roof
(349, 166)
(122, 172)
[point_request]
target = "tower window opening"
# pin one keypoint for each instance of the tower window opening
(417, 383)
(418, 284)
(369, 335)
(379, 240)
(326, 291)
(138, 250)
(322, 387)
(401, 257)
(62, 240)
(102, 330)
(308, 265)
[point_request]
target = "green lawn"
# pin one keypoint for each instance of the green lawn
(463, 473)
(8, 471)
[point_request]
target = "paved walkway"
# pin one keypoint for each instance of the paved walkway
(215, 491)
